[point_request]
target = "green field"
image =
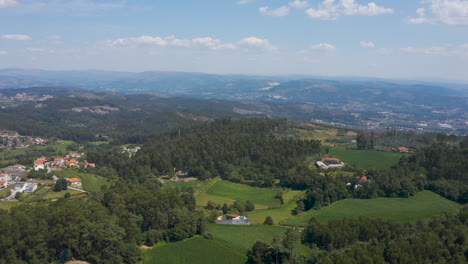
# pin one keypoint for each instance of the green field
(8, 205)
(196, 250)
(423, 205)
(228, 192)
(367, 159)
(241, 238)
(278, 214)
(91, 182)
(196, 185)
(56, 195)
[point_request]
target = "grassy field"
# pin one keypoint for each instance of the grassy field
(91, 182)
(8, 205)
(196, 250)
(241, 238)
(196, 185)
(368, 159)
(424, 205)
(56, 195)
(228, 192)
(278, 214)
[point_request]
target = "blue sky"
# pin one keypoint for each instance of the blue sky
(381, 38)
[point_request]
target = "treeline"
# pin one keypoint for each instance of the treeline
(241, 151)
(394, 138)
(105, 229)
(356, 241)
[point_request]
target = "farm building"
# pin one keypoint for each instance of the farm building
(321, 165)
(235, 219)
(403, 149)
(333, 163)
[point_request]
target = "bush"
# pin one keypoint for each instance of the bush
(269, 221)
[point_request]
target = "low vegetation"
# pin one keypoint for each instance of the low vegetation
(196, 250)
(422, 206)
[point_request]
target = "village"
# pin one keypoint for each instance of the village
(11, 139)
(15, 179)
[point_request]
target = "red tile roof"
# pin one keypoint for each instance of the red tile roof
(2, 182)
(403, 148)
(74, 179)
(234, 215)
(332, 159)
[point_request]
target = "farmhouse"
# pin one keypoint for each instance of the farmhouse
(39, 164)
(321, 165)
(333, 163)
(5, 177)
(3, 184)
(74, 181)
(235, 219)
(403, 149)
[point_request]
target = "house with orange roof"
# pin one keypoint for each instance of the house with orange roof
(3, 184)
(74, 181)
(403, 149)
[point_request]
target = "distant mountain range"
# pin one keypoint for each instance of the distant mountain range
(378, 100)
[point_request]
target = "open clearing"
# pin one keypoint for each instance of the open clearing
(241, 238)
(91, 182)
(367, 159)
(228, 192)
(196, 250)
(423, 205)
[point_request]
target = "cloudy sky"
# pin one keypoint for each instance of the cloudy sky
(382, 38)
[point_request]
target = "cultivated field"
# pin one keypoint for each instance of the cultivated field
(227, 192)
(196, 250)
(424, 205)
(368, 159)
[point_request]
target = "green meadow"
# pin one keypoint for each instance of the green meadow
(423, 205)
(227, 192)
(91, 182)
(368, 159)
(195, 250)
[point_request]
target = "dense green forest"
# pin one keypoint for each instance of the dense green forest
(105, 229)
(357, 241)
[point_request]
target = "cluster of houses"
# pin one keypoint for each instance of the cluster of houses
(11, 139)
(130, 151)
(233, 219)
(9, 175)
(330, 163)
(58, 163)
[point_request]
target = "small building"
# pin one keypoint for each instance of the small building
(74, 181)
(362, 178)
(321, 165)
(333, 163)
(5, 177)
(403, 149)
(3, 184)
(235, 219)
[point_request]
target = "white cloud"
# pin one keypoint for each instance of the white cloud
(256, 43)
(280, 11)
(367, 44)
(320, 49)
(449, 50)
(8, 3)
(199, 42)
(299, 4)
(450, 12)
(330, 10)
(3, 52)
(17, 37)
